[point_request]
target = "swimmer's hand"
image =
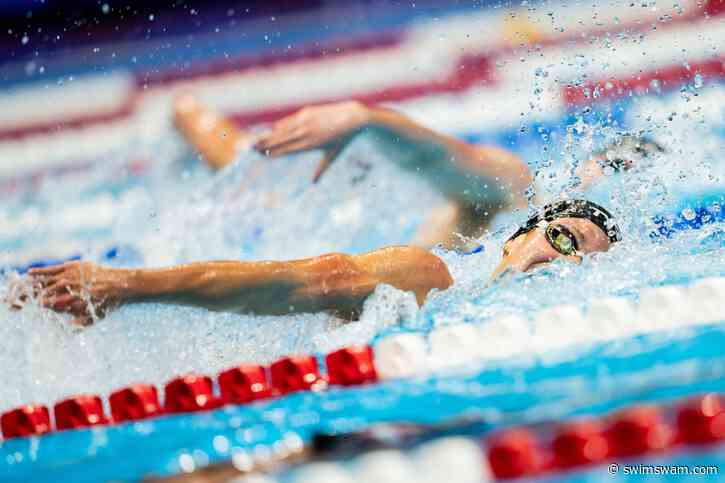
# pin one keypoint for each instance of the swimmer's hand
(83, 289)
(328, 127)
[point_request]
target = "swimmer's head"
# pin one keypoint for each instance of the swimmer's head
(566, 229)
(618, 157)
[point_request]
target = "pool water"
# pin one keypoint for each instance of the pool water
(177, 211)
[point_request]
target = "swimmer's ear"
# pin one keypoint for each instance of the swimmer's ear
(329, 155)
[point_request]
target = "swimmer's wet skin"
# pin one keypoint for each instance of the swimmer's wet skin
(336, 282)
(478, 181)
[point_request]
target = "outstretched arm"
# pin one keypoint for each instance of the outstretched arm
(335, 282)
(330, 127)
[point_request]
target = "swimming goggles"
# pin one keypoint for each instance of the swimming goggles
(620, 155)
(560, 238)
(563, 238)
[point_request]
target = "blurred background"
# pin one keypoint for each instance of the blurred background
(91, 167)
(79, 77)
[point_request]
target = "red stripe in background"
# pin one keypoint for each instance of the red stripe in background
(316, 52)
(712, 7)
(75, 122)
(470, 71)
(656, 80)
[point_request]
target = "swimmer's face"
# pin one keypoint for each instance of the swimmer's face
(532, 249)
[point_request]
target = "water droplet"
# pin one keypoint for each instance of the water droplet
(689, 214)
(25, 40)
(105, 8)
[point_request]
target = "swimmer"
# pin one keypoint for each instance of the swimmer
(477, 181)
(619, 157)
(339, 283)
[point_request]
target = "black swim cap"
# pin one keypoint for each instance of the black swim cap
(629, 147)
(574, 209)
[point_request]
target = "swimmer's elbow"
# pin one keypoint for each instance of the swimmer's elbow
(420, 271)
(436, 271)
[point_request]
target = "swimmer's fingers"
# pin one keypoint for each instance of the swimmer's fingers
(330, 155)
(275, 143)
(46, 271)
(60, 286)
(59, 303)
(289, 148)
(288, 123)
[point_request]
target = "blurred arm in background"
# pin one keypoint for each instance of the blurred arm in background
(217, 139)
(478, 181)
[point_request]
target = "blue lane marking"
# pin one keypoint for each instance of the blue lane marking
(111, 254)
(691, 214)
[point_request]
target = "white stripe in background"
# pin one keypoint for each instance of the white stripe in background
(41, 103)
(421, 58)
(492, 30)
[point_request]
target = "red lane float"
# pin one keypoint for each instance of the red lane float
(189, 393)
(133, 403)
(638, 430)
(243, 384)
(701, 420)
(79, 411)
(296, 373)
(28, 420)
(351, 366)
(579, 443)
(514, 453)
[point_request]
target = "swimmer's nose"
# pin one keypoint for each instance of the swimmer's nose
(525, 252)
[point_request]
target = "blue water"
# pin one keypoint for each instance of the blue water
(179, 212)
